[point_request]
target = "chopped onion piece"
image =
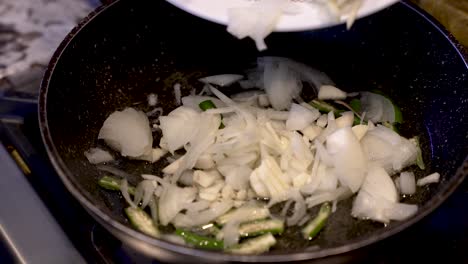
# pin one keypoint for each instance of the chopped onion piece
(177, 93)
(205, 179)
(237, 176)
(222, 79)
(379, 183)
(157, 154)
(204, 162)
(174, 166)
(179, 127)
(300, 117)
(125, 194)
(322, 120)
(186, 178)
(375, 207)
(388, 149)
(320, 197)
(128, 132)
(281, 85)
(203, 217)
(305, 73)
(311, 132)
(256, 21)
(330, 92)
(98, 155)
(360, 131)
(263, 100)
(152, 99)
(345, 120)
(349, 159)
(431, 178)
(407, 183)
(300, 208)
(144, 193)
(212, 192)
(173, 200)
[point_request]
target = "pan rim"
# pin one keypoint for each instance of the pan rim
(65, 174)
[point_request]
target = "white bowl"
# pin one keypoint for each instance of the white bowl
(310, 16)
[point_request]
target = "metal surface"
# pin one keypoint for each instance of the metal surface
(25, 222)
(111, 63)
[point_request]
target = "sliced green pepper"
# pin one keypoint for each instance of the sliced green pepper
(311, 230)
(200, 241)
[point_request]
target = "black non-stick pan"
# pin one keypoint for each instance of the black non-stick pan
(129, 49)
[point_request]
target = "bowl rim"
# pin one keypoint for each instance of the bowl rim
(122, 230)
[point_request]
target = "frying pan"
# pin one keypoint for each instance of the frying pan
(123, 52)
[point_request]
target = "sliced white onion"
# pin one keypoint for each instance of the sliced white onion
(98, 155)
(237, 176)
(375, 207)
(173, 200)
(331, 127)
(280, 84)
(322, 120)
(379, 183)
(203, 217)
(300, 117)
(263, 100)
(230, 233)
(162, 181)
(311, 132)
(305, 73)
(349, 159)
(431, 178)
(195, 207)
(345, 120)
(157, 154)
(360, 131)
(179, 127)
(212, 192)
(256, 21)
(125, 194)
(208, 126)
(205, 179)
(144, 193)
(329, 182)
(320, 197)
(222, 79)
(153, 205)
(186, 178)
(388, 149)
(205, 162)
(300, 208)
(177, 94)
(330, 92)
(114, 171)
(152, 99)
(407, 183)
